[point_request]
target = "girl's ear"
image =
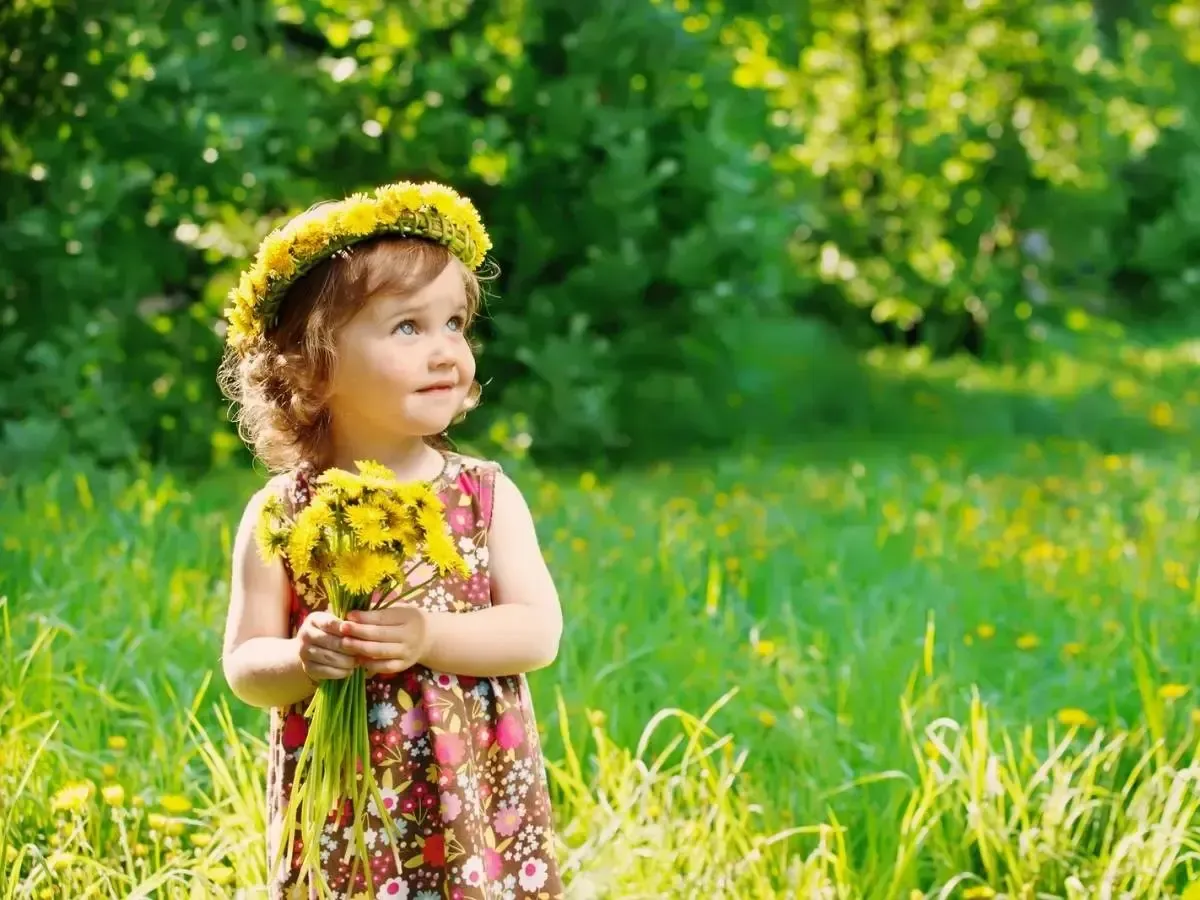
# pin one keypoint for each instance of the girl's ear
(470, 402)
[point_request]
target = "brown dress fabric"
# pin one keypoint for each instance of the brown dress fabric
(458, 759)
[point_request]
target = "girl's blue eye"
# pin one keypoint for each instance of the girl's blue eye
(457, 323)
(405, 327)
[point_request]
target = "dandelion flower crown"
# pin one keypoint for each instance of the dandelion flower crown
(426, 210)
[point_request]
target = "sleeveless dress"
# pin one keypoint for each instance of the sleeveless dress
(458, 759)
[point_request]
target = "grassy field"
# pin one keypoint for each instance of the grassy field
(887, 669)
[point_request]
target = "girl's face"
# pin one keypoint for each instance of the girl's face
(404, 367)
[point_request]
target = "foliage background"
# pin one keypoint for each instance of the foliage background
(700, 210)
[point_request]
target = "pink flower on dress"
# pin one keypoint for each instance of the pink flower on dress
(448, 749)
(510, 731)
(507, 821)
(461, 518)
(414, 723)
(451, 807)
(493, 863)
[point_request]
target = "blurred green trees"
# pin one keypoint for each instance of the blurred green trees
(968, 175)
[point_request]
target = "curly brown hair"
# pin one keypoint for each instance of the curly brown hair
(278, 386)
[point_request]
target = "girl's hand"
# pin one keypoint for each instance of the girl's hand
(323, 653)
(387, 640)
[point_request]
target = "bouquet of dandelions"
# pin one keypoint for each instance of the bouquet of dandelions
(359, 539)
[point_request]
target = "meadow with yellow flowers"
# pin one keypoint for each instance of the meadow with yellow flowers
(942, 667)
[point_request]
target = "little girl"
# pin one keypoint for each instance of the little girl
(347, 340)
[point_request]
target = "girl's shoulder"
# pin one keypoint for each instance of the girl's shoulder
(458, 462)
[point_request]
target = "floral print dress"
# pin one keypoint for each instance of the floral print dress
(458, 759)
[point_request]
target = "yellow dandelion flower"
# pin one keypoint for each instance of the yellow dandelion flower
(117, 742)
(357, 215)
(176, 804)
(1072, 648)
(986, 631)
(369, 524)
(1028, 641)
(73, 797)
(271, 539)
(360, 571)
(310, 237)
(201, 839)
(113, 794)
(440, 552)
(108, 770)
(245, 293)
(394, 200)
(1171, 692)
(978, 892)
(320, 513)
(371, 469)
(301, 543)
(341, 482)
(1074, 717)
(275, 257)
(256, 278)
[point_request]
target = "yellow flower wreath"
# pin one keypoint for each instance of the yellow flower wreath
(427, 210)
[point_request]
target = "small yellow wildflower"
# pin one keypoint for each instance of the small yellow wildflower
(219, 875)
(117, 742)
(156, 821)
(73, 797)
(1073, 717)
(1171, 692)
(1161, 415)
(767, 718)
(109, 771)
(113, 794)
(764, 647)
(176, 804)
(978, 892)
(1072, 648)
(986, 631)
(1028, 641)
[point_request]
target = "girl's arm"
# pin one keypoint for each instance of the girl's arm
(522, 629)
(262, 664)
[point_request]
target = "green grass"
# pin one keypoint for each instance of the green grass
(892, 669)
